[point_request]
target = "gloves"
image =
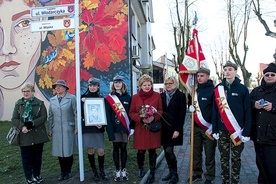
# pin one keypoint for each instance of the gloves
(216, 136)
(131, 132)
(29, 124)
(245, 139)
(191, 108)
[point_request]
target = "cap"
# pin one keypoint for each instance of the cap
(118, 78)
(60, 82)
(270, 68)
(203, 70)
(93, 81)
(229, 63)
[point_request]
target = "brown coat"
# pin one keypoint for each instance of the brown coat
(143, 138)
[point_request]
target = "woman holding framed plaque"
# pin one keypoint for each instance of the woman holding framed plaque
(93, 121)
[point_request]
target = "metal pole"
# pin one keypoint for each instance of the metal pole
(77, 66)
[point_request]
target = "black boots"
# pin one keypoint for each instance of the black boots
(91, 159)
(175, 177)
(101, 166)
(140, 162)
(152, 163)
(65, 166)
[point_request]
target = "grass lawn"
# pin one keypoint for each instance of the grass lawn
(11, 171)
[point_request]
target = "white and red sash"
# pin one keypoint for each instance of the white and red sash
(119, 110)
(200, 121)
(227, 116)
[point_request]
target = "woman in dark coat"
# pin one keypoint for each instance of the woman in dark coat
(30, 115)
(93, 136)
(118, 125)
(174, 111)
(143, 138)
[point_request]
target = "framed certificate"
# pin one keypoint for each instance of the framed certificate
(94, 112)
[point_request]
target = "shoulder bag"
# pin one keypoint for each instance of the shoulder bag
(13, 136)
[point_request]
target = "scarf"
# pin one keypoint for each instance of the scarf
(145, 95)
(169, 96)
(28, 113)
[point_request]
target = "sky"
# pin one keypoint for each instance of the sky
(212, 22)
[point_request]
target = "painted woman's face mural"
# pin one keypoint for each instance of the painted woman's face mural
(19, 48)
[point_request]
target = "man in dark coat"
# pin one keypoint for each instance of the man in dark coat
(263, 103)
(203, 102)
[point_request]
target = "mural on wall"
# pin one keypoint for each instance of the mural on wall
(44, 57)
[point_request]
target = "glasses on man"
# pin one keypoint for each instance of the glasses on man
(270, 75)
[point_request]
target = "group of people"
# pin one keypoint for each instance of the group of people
(226, 115)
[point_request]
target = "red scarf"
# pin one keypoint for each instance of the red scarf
(145, 95)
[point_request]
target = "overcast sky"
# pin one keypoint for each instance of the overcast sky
(212, 22)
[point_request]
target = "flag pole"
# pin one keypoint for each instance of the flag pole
(193, 95)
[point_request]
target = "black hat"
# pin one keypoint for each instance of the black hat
(93, 81)
(229, 63)
(60, 82)
(118, 78)
(270, 68)
(203, 70)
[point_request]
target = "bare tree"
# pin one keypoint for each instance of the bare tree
(238, 19)
(257, 11)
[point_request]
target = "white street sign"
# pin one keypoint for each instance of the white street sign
(51, 11)
(49, 25)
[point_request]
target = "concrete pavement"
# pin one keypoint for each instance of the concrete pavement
(248, 174)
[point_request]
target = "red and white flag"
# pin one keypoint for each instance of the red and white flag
(193, 60)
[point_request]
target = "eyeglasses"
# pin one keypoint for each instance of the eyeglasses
(169, 83)
(28, 91)
(271, 75)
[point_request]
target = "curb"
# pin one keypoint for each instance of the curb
(159, 159)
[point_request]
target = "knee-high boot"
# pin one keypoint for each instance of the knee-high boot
(152, 163)
(101, 166)
(91, 159)
(140, 162)
(175, 177)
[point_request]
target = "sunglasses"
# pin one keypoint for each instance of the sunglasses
(271, 75)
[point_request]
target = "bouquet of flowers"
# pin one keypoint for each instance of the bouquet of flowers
(146, 111)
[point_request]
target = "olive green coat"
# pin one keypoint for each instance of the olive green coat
(38, 134)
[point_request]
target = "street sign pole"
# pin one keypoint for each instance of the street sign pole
(78, 95)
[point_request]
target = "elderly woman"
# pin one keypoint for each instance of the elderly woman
(62, 124)
(30, 115)
(93, 136)
(174, 111)
(144, 139)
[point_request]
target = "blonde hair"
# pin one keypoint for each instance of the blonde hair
(123, 89)
(27, 85)
(175, 81)
(145, 78)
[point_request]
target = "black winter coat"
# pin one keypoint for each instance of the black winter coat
(174, 114)
(264, 122)
(239, 103)
(113, 123)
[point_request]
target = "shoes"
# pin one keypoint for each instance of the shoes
(103, 175)
(61, 176)
(30, 181)
(38, 179)
(95, 175)
(208, 182)
(140, 173)
(117, 176)
(67, 176)
(124, 175)
(195, 178)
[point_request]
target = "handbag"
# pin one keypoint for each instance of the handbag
(155, 126)
(13, 136)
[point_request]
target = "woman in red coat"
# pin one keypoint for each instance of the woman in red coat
(144, 139)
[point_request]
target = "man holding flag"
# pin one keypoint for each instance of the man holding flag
(232, 121)
(203, 104)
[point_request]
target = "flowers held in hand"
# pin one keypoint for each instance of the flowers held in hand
(147, 111)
